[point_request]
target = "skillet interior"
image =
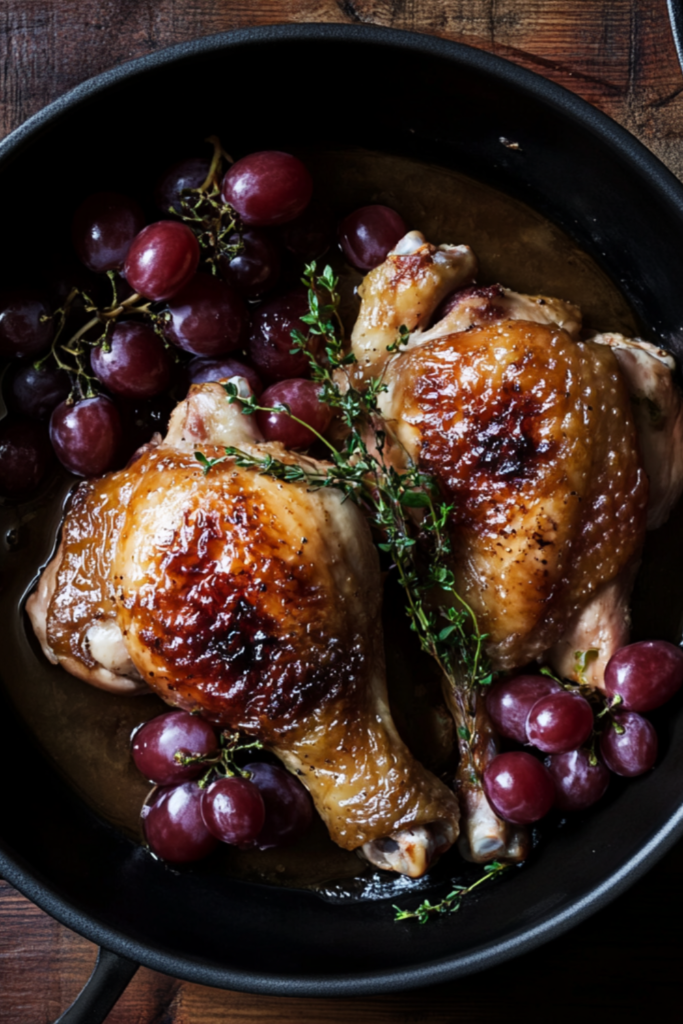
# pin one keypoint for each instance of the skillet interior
(450, 105)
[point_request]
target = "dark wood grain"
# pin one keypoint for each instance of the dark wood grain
(622, 965)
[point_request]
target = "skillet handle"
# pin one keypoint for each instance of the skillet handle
(101, 991)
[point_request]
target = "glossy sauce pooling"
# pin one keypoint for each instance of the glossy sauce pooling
(531, 437)
(220, 610)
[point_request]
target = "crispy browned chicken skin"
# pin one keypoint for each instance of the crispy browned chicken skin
(531, 437)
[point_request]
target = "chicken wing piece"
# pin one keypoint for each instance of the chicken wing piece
(256, 602)
(404, 291)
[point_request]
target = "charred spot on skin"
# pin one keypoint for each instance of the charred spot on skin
(235, 639)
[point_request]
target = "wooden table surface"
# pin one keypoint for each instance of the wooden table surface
(622, 965)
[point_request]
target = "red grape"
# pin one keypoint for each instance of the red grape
(559, 722)
(519, 788)
(185, 174)
(207, 317)
(136, 364)
(141, 419)
(162, 259)
(289, 810)
(173, 824)
(86, 435)
(367, 235)
(578, 783)
(268, 188)
(509, 702)
(311, 234)
(23, 331)
(234, 811)
(632, 751)
(35, 392)
(64, 272)
(203, 370)
(645, 675)
(302, 397)
(270, 336)
(157, 741)
(103, 228)
(256, 269)
(24, 456)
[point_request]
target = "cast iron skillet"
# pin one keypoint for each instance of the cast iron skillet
(442, 102)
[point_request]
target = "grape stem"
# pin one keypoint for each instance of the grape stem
(219, 154)
(223, 762)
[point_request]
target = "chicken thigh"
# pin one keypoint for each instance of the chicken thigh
(255, 602)
(529, 433)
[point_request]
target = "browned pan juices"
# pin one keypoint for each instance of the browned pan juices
(85, 731)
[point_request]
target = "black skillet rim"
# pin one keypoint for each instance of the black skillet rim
(656, 177)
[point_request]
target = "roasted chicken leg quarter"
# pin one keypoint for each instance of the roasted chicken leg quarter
(530, 435)
(256, 602)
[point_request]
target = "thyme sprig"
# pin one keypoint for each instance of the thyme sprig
(222, 763)
(452, 903)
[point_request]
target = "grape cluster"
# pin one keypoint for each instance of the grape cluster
(116, 325)
(582, 749)
(196, 805)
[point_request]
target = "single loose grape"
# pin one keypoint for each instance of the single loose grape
(289, 810)
(234, 811)
(267, 188)
(35, 392)
(519, 788)
(162, 259)
(156, 743)
(559, 722)
(632, 751)
(134, 363)
(86, 436)
(185, 174)
(271, 348)
(367, 235)
(173, 825)
(103, 228)
(509, 702)
(255, 270)
(646, 674)
(207, 317)
(142, 418)
(578, 783)
(24, 456)
(303, 399)
(26, 324)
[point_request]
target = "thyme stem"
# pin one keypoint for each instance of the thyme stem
(451, 903)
